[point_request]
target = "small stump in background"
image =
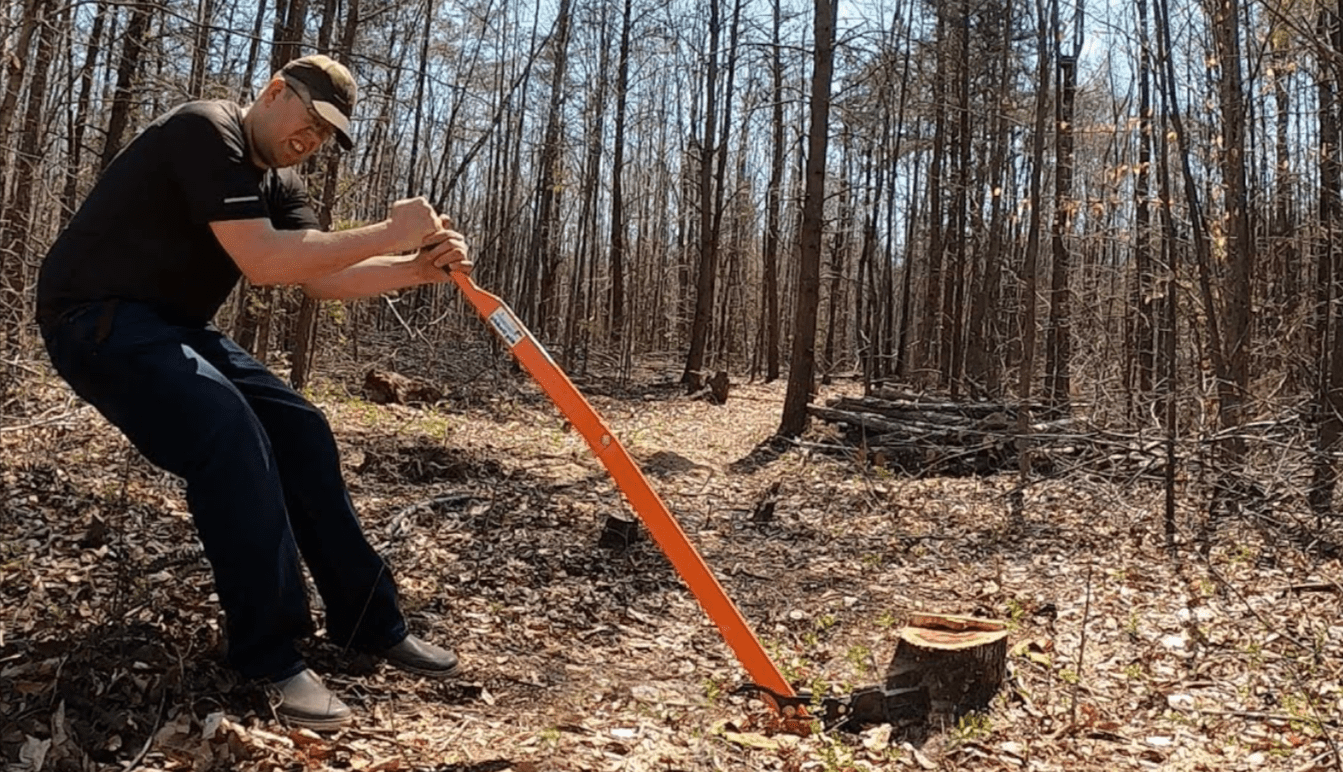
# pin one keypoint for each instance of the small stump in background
(960, 661)
(719, 387)
(384, 387)
(619, 533)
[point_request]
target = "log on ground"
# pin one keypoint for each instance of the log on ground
(385, 387)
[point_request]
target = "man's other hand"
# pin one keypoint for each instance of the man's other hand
(446, 252)
(413, 223)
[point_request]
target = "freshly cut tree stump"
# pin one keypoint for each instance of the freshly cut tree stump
(960, 661)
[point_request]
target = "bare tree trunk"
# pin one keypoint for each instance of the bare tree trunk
(257, 304)
(982, 369)
(75, 149)
(1202, 249)
(1329, 396)
(14, 66)
(902, 354)
(865, 314)
(1234, 395)
(290, 21)
(1168, 333)
(538, 302)
(127, 69)
(1144, 280)
(617, 181)
(16, 234)
(931, 321)
(200, 48)
(305, 342)
(892, 357)
(412, 170)
(1059, 346)
(1197, 224)
(324, 29)
(583, 290)
(1030, 269)
(1284, 298)
(713, 173)
(888, 356)
(729, 297)
(708, 248)
(304, 353)
(253, 50)
(838, 248)
(802, 369)
(1331, 430)
(773, 202)
(953, 297)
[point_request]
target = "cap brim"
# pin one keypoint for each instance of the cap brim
(338, 121)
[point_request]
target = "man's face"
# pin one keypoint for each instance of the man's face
(293, 130)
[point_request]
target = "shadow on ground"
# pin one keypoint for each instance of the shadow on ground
(761, 456)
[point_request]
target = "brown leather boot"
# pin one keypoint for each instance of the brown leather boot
(305, 701)
(418, 656)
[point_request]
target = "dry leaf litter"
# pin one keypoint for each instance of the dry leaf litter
(490, 507)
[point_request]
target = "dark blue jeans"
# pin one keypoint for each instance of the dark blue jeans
(262, 474)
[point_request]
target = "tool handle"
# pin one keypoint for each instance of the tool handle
(631, 481)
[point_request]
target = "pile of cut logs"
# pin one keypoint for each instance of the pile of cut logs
(920, 434)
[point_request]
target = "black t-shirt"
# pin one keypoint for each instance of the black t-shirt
(143, 234)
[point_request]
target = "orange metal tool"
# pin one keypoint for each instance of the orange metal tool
(631, 481)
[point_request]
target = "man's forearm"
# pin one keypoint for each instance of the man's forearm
(269, 256)
(266, 255)
(373, 276)
(323, 253)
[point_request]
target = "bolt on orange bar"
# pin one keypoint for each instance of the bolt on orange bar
(630, 479)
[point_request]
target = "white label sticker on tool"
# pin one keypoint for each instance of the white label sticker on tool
(507, 327)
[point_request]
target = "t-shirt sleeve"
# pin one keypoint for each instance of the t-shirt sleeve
(290, 205)
(210, 166)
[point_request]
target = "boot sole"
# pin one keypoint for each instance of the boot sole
(427, 672)
(318, 724)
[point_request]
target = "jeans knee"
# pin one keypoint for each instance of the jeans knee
(225, 431)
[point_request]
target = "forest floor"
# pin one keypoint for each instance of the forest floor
(578, 658)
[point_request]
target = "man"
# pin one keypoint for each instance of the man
(125, 298)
